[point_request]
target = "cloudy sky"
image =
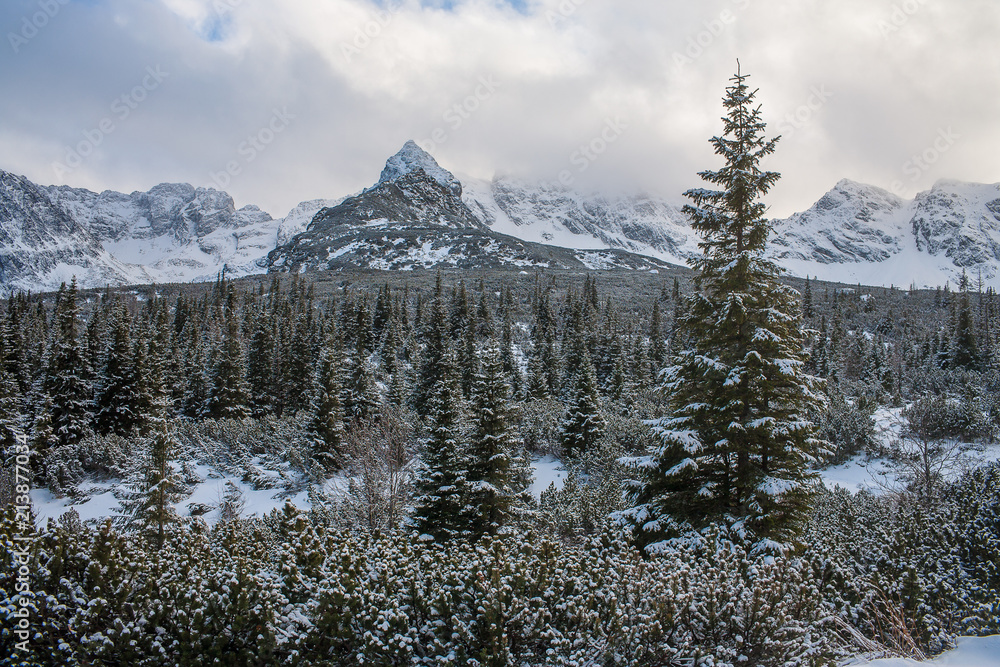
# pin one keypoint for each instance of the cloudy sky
(283, 101)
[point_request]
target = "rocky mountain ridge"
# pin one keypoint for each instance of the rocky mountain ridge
(419, 214)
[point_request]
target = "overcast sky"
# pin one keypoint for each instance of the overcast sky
(283, 101)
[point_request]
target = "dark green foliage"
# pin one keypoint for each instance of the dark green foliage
(737, 446)
(65, 382)
(440, 488)
(326, 424)
(286, 590)
(582, 424)
(230, 397)
(496, 482)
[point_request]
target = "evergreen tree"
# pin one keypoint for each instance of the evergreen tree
(10, 411)
(261, 366)
(511, 367)
(582, 424)
(394, 367)
(738, 446)
(657, 349)
(965, 350)
(64, 380)
(435, 339)
(364, 399)
(440, 487)
(497, 493)
(157, 486)
(326, 426)
(807, 299)
(230, 395)
(113, 409)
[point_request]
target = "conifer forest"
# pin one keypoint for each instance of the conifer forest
(404, 425)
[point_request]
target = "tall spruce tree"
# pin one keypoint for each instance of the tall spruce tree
(497, 493)
(326, 424)
(230, 394)
(582, 425)
(440, 487)
(436, 340)
(65, 381)
(737, 446)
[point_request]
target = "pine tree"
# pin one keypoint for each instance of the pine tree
(510, 364)
(737, 446)
(435, 338)
(440, 487)
(582, 425)
(158, 486)
(807, 299)
(965, 351)
(230, 396)
(113, 408)
(326, 426)
(10, 411)
(261, 366)
(64, 380)
(364, 399)
(497, 493)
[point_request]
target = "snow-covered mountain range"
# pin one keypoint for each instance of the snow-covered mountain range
(420, 215)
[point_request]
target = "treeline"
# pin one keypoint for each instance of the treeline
(230, 353)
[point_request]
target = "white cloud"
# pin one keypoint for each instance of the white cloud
(360, 80)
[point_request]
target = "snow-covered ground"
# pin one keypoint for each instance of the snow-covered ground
(101, 502)
(969, 652)
(547, 470)
(875, 474)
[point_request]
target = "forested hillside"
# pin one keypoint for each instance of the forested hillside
(288, 384)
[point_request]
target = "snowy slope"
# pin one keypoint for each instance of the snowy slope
(860, 233)
(547, 213)
(855, 233)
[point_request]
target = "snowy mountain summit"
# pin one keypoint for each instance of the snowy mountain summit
(419, 215)
(861, 233)
(412, 157)
(415, 217)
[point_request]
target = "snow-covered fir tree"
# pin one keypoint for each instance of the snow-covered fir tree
(65, 381)
(497, 485)
(440, 487)
(737, 446)
(230, 396)
(582, 424)
(326, 424)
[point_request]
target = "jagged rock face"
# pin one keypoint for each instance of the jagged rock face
(552, 214)
(960, 221)
(410, 158)
(418, 221)
(173, 232)
(38, 238)
(853, 222)
(420, 215)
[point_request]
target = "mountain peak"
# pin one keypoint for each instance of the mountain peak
(412, 157)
